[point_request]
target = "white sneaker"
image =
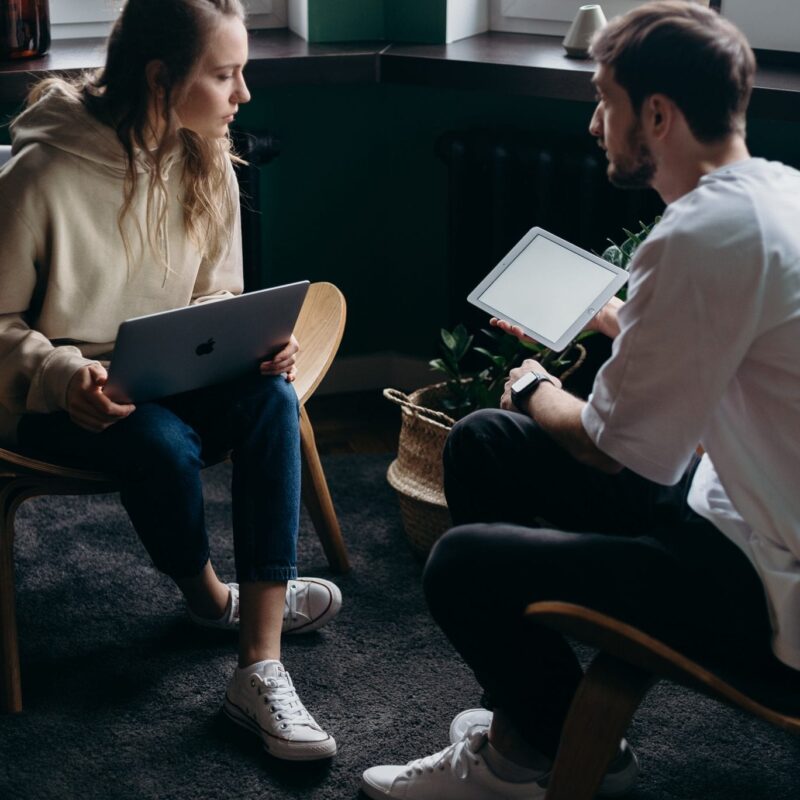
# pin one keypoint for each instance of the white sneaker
(472, 717)
(229, 621)
(310, 603)
(619, 779)
(459, 772)
(262, 698)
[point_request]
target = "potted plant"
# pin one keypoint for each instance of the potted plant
(475, 378)
(621, 255)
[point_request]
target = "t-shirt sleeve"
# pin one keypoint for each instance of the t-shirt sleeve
(692, 313)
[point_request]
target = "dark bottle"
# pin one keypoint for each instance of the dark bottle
(24, 28)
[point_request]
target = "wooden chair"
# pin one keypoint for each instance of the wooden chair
(628, 664)
(319, 330)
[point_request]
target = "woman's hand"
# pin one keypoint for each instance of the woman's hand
(87, 406)
(283, 362)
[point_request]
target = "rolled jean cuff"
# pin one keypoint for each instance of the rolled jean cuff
(272, 574)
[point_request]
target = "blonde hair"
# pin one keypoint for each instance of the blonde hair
(175, 33)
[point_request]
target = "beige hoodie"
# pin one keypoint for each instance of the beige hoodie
(65, 281)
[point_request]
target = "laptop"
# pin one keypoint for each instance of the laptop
(187, 348)
(549, 287)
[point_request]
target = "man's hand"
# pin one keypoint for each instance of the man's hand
(605, 321)
(87, 406)
(507, 327)
(528, 365)
(284, 361)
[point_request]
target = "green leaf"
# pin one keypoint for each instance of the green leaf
(463, 347)
(452, 405)
(614, 255)
(495, 359)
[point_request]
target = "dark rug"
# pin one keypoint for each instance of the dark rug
(122, 695)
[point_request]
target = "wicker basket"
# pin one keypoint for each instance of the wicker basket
(416, 473)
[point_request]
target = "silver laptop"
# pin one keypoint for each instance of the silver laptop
(187, 348)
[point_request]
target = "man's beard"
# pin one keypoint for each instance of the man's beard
(636, 169)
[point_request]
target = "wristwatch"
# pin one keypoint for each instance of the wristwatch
(524, 387)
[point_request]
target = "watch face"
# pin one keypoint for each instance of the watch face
(520, 384)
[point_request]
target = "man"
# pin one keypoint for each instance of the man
(605, 502)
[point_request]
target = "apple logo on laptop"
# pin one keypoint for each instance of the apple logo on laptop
(204, 348)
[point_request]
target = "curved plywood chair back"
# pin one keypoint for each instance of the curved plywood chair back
(629, 661)
(776, 700)
(319, 330)
(12, 463)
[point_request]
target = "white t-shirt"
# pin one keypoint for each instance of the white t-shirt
(709, 352)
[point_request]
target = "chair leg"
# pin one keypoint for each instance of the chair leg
(606, 699)
(10, 684)
(318, 499)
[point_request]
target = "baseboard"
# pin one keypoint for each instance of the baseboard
(377, 371)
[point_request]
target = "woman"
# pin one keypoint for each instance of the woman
(120, 201)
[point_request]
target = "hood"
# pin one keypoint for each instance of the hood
(60, 119)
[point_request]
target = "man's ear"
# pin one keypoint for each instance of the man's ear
(659, 113)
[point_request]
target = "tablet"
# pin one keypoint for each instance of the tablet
(549, 287)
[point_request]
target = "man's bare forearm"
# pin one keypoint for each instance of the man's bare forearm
(558, 413)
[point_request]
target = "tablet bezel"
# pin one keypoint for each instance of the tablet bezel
(620, 276)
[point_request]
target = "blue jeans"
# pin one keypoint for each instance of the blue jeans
(158, 451)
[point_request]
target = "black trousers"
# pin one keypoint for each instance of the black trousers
(534, 524)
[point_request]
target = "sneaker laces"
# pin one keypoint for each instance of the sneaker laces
(233, 615)
(290, 609)
(460, 756)
(281, 696)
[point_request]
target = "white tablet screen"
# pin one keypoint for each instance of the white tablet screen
(547, 287)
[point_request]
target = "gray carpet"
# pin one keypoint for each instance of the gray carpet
(122, 695)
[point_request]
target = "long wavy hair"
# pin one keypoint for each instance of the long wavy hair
(175, 33)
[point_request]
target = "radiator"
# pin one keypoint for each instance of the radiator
(257, 150)
(501, 183)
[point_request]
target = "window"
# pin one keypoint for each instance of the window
(768, 25)
(551, 17)
(74, 19)
(772, 28)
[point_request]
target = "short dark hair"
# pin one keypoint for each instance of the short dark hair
(687, 52)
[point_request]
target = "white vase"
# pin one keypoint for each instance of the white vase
(587, 22)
